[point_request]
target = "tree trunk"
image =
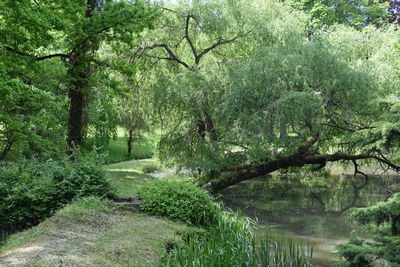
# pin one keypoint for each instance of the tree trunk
(80, 72)
(299, 158)
(210, 127)
(129, 142)
(395, 225)
(75, 119)
(282, 130)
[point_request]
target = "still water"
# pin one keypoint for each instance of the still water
(308, 210)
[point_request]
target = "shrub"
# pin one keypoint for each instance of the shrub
(180, 201)
(31, 190)
(383, 219)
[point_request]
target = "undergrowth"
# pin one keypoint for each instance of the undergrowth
(31, 190)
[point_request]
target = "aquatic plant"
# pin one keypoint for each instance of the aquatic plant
(232, 243)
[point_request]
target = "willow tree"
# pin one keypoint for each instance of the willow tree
(72, 32)
(188, 37)
(277, 97)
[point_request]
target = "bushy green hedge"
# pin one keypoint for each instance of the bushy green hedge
(31, 190)
(180, 201)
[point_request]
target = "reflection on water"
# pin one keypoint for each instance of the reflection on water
(308, 209)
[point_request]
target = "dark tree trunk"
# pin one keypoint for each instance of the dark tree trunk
(270, 130)
(395, 225)
(201, 128)
(206, 125)
(129, 142)
(282, 131)
(75, 119)
(80, 72)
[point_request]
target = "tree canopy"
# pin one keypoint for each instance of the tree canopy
(237, 89)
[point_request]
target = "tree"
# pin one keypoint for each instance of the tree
(198, 36)
(72, 32)
(277, 98)
(384, 248)
(358, 13)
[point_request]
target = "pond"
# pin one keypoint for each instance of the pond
(308, 210)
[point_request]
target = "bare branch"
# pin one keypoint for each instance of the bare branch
(221, 42)
(170, 52)
(188, 38)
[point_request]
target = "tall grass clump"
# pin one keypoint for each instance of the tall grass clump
(231, 242)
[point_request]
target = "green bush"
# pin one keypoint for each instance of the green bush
(31, 190)
(179, 201)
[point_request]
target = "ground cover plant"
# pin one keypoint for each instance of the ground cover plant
(181, 201)
(32, 190)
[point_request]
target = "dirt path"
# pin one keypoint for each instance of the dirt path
(117, 238)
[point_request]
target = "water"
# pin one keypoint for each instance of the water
(308, 210)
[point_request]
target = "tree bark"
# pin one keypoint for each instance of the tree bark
(209, 125)
(80, 72)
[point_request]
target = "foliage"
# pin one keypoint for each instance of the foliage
(272, 88)
(180, 201)
(358, 13)
(385, 216)
(33, 190)
(58, 71)
(142, 148)
(115, 149)
(231, 243)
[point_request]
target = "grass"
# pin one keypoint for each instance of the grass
(142, 147)
(91, 232)
(117, 149)
(129, 177)
(94, 231)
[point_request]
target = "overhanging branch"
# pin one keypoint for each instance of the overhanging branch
(298, 159)
(37, 58)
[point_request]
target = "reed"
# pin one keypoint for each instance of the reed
(232, 243)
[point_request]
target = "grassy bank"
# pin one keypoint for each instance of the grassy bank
(91, 232)
(94, 232)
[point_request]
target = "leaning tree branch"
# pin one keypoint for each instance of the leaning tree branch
(298, 159)
(37, 58)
